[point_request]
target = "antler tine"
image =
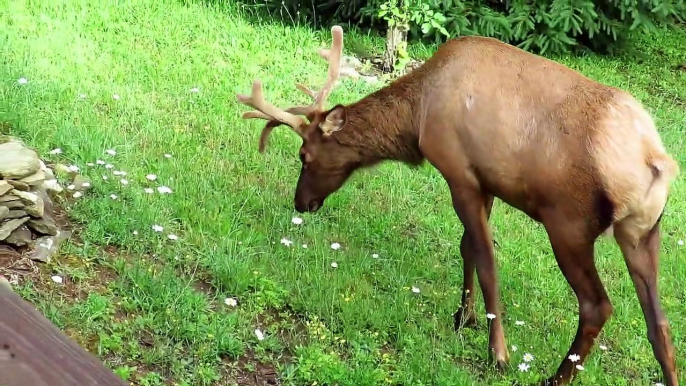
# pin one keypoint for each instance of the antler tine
(334, 66)
(333, 55)
(268, 111)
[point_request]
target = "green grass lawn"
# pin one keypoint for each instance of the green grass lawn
(154, 309)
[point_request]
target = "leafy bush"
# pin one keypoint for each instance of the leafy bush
(542, 26)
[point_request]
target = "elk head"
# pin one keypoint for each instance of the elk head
(326, 164)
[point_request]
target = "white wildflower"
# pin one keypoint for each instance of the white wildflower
(305, 246)
(528, 357)
(105, 177)
(490, 316)
(334, 265)
(113, 196)
(259, 334)
(514, 348)
(157, 228)
(151, 177)
(56, 151)
(415, 289)
(149, 190)
(167, 155)
(90, 164)
(124, 181)
(73, 168)
(57, 279)
(109, 166)
(580, 367)
(100, 162)
(163, 189)
(111, 152)
(77, 194)
(375, 255)
(231, 302)
(680, 242)
(519, 323)
(603, 347)
(135, 233)
(574, 357)
(335, 246)
(297, 220)
(286, 242)
(172, 236)
(22, 81)
(523, 367)
(195, 90)
(115, 97)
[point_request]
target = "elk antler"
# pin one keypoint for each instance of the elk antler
(267, 110)
(334, 57)
(276, 116)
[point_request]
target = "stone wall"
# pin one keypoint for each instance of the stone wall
(27, 214)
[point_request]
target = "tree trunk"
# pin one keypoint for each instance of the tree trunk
(394, 36)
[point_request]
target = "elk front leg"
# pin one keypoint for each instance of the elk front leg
(573, 250)
(641, 256)
(471, 207)
(465, 316)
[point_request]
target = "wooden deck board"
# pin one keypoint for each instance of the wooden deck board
(34, 352)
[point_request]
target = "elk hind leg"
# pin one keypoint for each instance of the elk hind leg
(641, 254)
(470, 205)
(465, 316)
(573, 245)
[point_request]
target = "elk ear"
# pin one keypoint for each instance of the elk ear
(335, 120)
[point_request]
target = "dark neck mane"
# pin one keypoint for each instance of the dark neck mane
(384, 125)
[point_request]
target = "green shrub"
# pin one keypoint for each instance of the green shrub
(553, 26)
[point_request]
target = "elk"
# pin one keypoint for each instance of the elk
(577, 156)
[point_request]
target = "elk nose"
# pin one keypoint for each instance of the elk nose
(314, 206)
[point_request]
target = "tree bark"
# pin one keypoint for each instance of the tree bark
(394, 36)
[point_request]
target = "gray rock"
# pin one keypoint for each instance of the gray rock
(49, 175)
(26, 197)
(62, 170)
(351, 61)
(81, 182)
(23, 186)
(4, 211)
(17, 161)
(45, 226)
(9, 197)
(15, 213)
(12, 204)
(4, 187)
(48, 208)
(52, 185)
(8, 227)
(20, 236)
(34, 179)
(36, 209)
(47, 246)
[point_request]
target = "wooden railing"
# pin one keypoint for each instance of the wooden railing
(34, 352)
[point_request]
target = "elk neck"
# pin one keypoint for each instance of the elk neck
(384, 124)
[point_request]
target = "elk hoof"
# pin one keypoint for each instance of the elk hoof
(501, 365)
(502, 360)
(462, 321)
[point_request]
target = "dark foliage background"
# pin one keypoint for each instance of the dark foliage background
(553, 26)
